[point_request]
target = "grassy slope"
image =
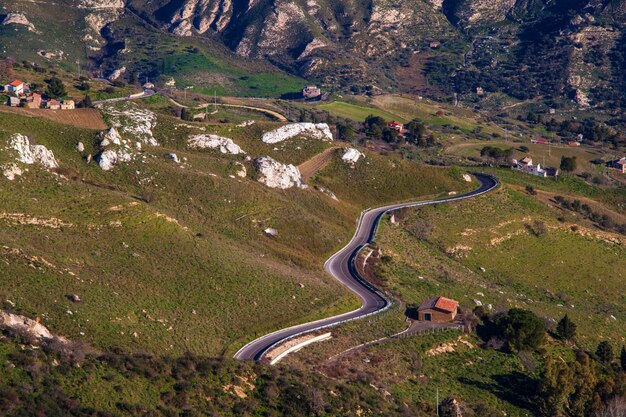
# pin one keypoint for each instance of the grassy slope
(560, 272)
(537, 152)
(358, 112)
(129, 259)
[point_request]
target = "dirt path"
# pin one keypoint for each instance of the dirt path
(317, 163)
(272, 113)
(83, 118)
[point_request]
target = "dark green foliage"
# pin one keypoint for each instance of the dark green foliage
(496, 153)
(344, 131)
(566, 328)
(604, 353)
(602, 220)
(83, 86)
(372, 121)
(568, 163)
(186, 114)
(521, 330)
(555, 386)
(56, 88)
(85, 102)
(622, 358)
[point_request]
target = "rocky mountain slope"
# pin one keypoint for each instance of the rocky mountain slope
(562, 52)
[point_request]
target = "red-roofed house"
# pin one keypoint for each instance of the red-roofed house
(395, 126)
(438, 309)
(16, 87)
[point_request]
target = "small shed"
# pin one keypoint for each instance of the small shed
(438, 309)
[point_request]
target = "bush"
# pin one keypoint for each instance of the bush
(604, 353)
(568, 164)
(566, 329)
(521, 330)
(56, 88)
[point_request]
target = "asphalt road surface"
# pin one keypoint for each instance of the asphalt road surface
(341, 266)
(146, 93)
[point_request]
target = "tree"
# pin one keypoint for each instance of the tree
(622, 358)
(344, 131)
(585, 380)
(83, 86)
(604, 352)
(416, 130)
(186, 114)
(568, 164)
(521, 330)
(555, 386)
(86, 102)
(371, 121)
(566, 329)
(56, 88)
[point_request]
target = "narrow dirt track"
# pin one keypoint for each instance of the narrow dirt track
(317, 163)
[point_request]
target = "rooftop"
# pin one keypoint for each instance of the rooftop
(440, 303)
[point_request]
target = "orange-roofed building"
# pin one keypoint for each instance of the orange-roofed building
(438, 309)
(16, 87)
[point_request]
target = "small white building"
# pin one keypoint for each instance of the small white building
(15, 87)
(526, 165)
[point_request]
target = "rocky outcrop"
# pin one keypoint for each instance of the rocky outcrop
(119, 150)
(108, 158)
(223, 144)
(21, 323)
(352, 156)
(277, 175)
(18, 19)
(11, 171)
(32, 154)
(316, 131)
(95, 22)
(133, 121)
(117, 73)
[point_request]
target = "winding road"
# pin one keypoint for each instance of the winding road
(341, 266)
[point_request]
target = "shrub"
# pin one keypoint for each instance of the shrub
(566, 328)
(604, 353)
(521, 330)
(56, 88)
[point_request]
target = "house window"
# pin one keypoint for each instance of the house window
(427, 316)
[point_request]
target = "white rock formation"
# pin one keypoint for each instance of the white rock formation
(316, 131)
(117, 73)
(111, 136)
(18, 322)
(467, 177)
(242, 171)
(270, 232)
(30, 154)
(18, 19)
(351, 156)
(277, 175)
(223, 144)
(80, 147)
(173, 157)
(108, 158)
(134, 121)
(114, 149)
(11, 171)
